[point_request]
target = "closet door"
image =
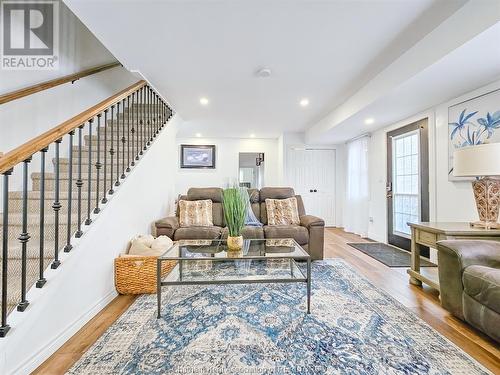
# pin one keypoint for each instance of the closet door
(311, 172)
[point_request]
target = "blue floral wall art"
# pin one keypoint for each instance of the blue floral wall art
(473, 122)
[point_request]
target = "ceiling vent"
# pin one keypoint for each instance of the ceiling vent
(263, 73)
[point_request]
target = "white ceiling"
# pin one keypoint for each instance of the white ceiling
(323, 50)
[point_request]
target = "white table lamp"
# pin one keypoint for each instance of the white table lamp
(483, 162)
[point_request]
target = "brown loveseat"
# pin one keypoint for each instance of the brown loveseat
(309, 234)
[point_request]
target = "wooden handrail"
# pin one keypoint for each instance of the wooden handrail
(23, 152)
(14, 95)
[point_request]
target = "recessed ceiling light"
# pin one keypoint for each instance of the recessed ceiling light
(304, 102)
(369, 121)
(204, 101)
(198, 135)
(252, 135)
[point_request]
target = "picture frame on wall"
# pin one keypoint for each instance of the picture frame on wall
(473, 122)
(197, 156)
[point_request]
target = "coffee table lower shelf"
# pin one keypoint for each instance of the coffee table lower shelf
(160, 282)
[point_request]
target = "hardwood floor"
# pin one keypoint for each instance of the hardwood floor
(424, 302)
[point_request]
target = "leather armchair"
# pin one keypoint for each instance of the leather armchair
(469, 279)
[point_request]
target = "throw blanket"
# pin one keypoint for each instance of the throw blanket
(251, 219)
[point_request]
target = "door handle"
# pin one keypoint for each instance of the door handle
(310, 190)
(315, 191)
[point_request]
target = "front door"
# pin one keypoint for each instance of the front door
(407, 181)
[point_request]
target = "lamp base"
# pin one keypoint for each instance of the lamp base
(485, 225)
(487, 195)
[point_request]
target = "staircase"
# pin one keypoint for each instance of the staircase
(101, 146)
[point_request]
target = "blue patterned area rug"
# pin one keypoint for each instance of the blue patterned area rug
(354, 328)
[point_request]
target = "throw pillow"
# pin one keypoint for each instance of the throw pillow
(282, 211)
(195, 213)
(141, 246)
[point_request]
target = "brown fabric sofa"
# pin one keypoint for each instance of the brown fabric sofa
(309, 234)
(469, 281)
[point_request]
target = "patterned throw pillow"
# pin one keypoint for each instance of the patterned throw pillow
(282, 211)
(195, 213)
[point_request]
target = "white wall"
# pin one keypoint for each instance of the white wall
(227, 158)
(84, 282)
(448, 201)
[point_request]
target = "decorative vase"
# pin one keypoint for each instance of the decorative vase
(235, 243)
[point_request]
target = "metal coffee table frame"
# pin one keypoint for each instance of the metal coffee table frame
(304, 257)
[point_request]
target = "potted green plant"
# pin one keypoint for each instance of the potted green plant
(235, 204)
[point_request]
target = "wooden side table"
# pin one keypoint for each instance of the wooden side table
(428, 233)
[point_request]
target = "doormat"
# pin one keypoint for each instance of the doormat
(389, 255)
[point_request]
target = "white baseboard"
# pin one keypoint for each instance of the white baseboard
(38, 358)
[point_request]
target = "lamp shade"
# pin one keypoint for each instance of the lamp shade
(477, 161)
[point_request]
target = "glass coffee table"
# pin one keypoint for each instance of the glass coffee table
(205, 262)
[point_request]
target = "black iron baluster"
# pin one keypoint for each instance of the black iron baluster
(150, 119)
(79, 181)
(68, 246)
(5, 251)
(105, 171)
(24, 237)
(156, 115)
(123, 139)
(132, 163)
(41, 279)
(89, 175)
(128, 134)
(56, 206)
(143, 119)
(98, 164)
(117, 182)
(112, 150)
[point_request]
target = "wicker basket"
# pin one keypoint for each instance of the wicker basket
(137, 275)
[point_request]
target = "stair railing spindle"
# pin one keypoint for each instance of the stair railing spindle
(5, 252)
(133, 130)
(112, 150)
(128, 134)
(123, 140)
(41, 267)
(117, 182)
(98, 164)
(24, 237)
(56, 206)
(68, 246)
(88, 220)
(79, 183)
(143, 117)
(105, 170)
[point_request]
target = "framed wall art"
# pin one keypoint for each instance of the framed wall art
(197, 156)
(473, 122)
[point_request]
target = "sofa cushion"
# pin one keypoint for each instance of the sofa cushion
(298, 233)
(248, 232)
(196, 194)
(483, 284)
(276, 193)
(195, 213)
(282, 211)
(197, 233)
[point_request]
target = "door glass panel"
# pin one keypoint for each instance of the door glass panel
(406, 192)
